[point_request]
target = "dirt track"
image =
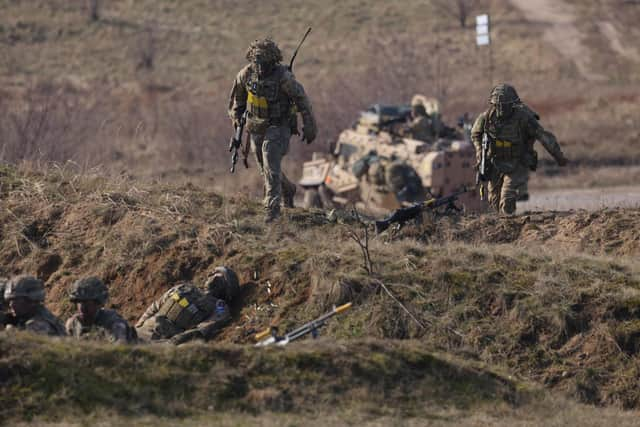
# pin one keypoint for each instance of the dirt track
(589, 199)
(561, 32)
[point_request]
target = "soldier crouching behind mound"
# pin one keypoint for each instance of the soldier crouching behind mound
(186, 313)
(25, 298)
(93, 321)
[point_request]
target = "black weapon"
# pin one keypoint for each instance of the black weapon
(295, 52)
(390, 122)
(236, 142)
(403, 215)
(482, 175)
(270, 336)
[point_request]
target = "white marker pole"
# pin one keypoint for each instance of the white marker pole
(483, 38)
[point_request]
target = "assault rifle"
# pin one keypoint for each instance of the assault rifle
(270, 336)
(236, 142)
(482, 175)
(403, 215)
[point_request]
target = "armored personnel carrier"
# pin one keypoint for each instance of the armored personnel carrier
(443, 165)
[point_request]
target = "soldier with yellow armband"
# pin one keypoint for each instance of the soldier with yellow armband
(269, 96)
(186, 312)
(511, 130)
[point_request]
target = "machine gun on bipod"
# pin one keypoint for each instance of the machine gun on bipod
(270, 336)
(403, 215)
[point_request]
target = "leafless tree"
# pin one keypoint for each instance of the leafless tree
(93, 8)
(458, 9)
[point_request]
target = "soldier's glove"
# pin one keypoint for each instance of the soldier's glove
(562, 160)
(309, 129)
(185, 337)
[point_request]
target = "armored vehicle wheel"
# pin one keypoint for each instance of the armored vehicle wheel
(312, 198)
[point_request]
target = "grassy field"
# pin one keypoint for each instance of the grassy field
(102, 107)
(370, 383)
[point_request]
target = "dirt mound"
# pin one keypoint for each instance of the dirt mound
(536, 295)
(605, 232)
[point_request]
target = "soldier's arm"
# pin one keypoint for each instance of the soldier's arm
(154, 308)
(476, 134)
(548, 141)
(119, 331)
(296, 92)
(238, 95)
(210, 328)
(205, 330)
(41, 327)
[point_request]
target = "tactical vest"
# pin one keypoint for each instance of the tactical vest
(267, 104)
(507, 142)
(186, 307)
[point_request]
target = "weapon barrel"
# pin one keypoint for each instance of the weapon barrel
(264, 339)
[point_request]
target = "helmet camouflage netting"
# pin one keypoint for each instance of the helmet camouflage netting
(266, 49)
(89, 288)
(27, 287)
(504, 94)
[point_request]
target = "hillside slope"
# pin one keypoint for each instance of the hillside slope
(552, 298)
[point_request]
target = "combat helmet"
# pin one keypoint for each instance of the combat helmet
(503, 98)
(264, 50)
(24, 286)
(87, 289)
(223, 283)
(504, 94)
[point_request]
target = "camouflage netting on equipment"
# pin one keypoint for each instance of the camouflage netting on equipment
(264, 50)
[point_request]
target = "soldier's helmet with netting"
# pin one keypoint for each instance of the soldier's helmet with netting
(264, 51)
(223, 283)
(89, 289)
(24, 286)
(504, 94)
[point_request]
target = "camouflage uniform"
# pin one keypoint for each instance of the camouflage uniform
(107, 324)
(511, 131)
(39, 320)
(271, 97)
(419, 128)
(391, 175)
(185, 312)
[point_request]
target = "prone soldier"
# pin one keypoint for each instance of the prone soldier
(511, 131)
(271, 97)
(93, 321)
(185, 312)
(25, 297)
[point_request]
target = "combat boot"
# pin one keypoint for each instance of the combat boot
(287, 197)
(272, 216)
